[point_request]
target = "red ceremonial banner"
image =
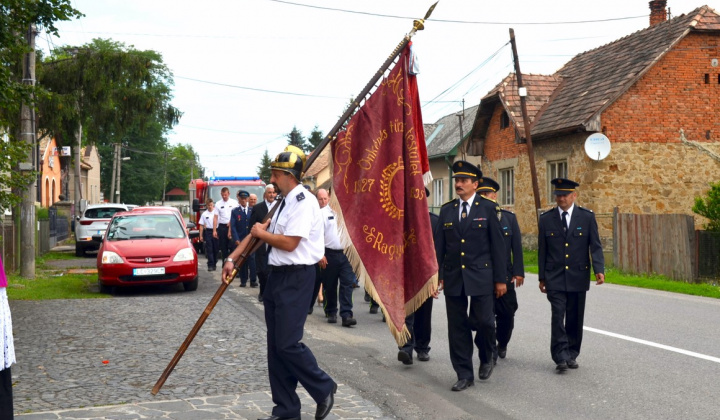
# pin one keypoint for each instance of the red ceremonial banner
(379, 160)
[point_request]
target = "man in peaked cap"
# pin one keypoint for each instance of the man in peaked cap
(295, 239)
(507, 304)
(568, 243)
(239, 228)
(471, 257)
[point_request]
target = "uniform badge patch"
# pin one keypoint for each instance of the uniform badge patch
(300, 197)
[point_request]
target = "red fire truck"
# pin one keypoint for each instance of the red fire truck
(201, 190)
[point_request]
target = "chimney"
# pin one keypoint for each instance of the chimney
(658, 12)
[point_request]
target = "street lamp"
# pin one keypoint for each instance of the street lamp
(117, 191)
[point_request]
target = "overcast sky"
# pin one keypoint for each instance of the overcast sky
(247, 71)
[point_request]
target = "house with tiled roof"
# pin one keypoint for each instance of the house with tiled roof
(655, 94)
(50, 184)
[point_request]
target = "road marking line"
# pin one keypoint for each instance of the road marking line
(650, 343)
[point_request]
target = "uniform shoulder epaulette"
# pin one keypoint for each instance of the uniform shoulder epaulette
(506, 211)
(448, 203)
(583, 208)
(489, 199)
(548, 211)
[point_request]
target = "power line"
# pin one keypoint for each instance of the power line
(456, 21)
(260, 90)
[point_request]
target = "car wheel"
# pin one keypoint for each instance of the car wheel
(104, 289)
(191, 286)
(79, 251)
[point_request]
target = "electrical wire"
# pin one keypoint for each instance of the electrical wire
(307, 95)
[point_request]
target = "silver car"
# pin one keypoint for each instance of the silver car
(94, 221)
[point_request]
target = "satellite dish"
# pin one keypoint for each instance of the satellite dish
(597, 146)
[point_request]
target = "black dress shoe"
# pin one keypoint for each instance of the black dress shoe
(348, 321)
(374, 309)
(562, 366)
(572, 364)
(463, 384)
(253, 284)
(260, 298)
(423, 356)
(332, 319)
(502, 352)
(323, 408)
(279, 418)
(405, 357)
(485, 370)
(243, 284)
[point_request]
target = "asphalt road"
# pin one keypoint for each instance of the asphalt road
(628, 375)
(618, 377)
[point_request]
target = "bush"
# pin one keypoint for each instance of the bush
(709, 207)
(42, 213)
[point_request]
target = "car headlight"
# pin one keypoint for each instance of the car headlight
(185, 254)
(109, 257)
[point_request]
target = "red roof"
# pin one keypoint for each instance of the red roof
(176, 191)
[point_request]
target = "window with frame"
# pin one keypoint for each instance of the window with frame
(437, 192)
(506, 194)
(555, 169)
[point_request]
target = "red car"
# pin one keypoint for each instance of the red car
(146, 247)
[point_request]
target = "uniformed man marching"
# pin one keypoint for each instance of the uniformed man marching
(295, 238)
(471, 256)
(507, 304)
(568, 243)
(207, 223)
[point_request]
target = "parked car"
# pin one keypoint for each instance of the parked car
(94, 221)
(148, 246)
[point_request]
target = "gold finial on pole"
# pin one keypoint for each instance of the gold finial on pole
(419, 25)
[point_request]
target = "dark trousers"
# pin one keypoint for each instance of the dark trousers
(316, 286)
(338, 269)
(505, 309)
(248, 268)
(223, 242)
(419, 325)
(6, 397)
(211, 247)
(460, 326)
(289, 360)
(262, 270)
(568, 313)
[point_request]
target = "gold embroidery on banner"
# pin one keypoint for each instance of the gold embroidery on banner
(342, 155)
(367, 161)
(414, 163)
(392, 251)
(386, 198)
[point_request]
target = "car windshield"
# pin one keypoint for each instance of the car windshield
(102, 212)
(145, 226)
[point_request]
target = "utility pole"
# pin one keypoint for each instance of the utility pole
(114, 173)
(526, 124)
(27, 131)
(164, 179)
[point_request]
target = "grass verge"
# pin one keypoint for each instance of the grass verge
(645, 281)
(53, 283)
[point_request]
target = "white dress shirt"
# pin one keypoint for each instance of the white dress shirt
(332, 237)
(300, 217)
(224, 208)
(569, 212)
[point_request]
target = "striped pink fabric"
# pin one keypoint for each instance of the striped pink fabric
(3, 279)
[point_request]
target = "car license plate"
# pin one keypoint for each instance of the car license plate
(148, 271)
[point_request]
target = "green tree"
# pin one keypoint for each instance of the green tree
(316, 137)
(295, 138)
(709, 207)
(117, 94)
(263, 171)
(16, 16)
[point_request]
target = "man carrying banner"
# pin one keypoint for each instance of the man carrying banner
(296, 243)
(471, 253)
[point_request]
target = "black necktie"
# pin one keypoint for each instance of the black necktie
(463, 215)
(282, 206)
(564, 221)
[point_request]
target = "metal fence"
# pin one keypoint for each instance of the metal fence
(708, 255)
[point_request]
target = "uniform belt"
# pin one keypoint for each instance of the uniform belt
(333, 251)
(285, 268)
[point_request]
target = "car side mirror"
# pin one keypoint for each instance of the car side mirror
(97, 238)
(196, 205)
(191, 225)
(194, 234)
